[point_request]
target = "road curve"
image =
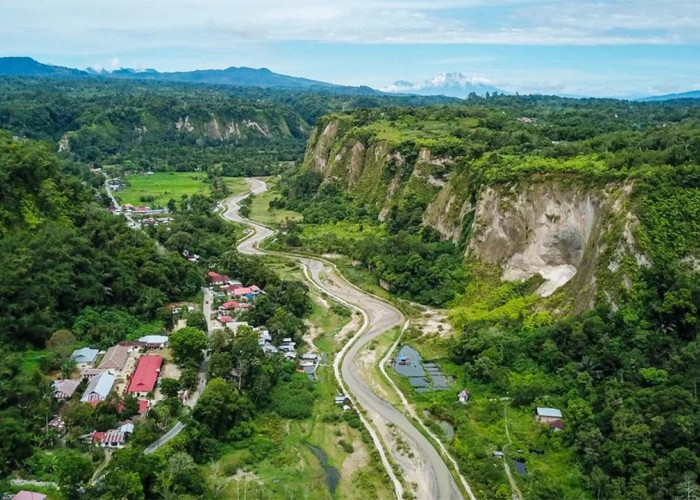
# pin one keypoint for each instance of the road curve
(380, 317)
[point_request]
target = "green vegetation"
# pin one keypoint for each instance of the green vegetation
(158, 188)
(262, 209)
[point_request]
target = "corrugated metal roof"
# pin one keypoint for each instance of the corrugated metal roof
(84, 355)
(99, 386)
(548, 412)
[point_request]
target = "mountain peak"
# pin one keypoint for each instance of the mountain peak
(453, 84)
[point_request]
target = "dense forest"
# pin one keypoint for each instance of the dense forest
(142, 125)
(75, 275)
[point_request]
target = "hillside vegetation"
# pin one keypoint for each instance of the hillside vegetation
(153, 125)
(563, 236)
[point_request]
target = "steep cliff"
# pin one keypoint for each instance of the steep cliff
(559, 226)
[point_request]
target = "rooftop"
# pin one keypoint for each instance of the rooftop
(548, 412)
(84, 355)
(98, 388)
(146, 374)
(115, 358)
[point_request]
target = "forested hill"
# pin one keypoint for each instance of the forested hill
(564, 238)
(537, 186)
(240, 77)
(162, 126)
(60, 252)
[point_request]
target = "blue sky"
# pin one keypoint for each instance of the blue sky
(578, 47)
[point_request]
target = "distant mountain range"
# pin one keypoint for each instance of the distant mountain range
(249, 77)
(692, 94)
(455, 84)
(447, 84)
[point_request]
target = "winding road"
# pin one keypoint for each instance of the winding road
(426, 469)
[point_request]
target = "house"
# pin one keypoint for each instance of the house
(126, 427)
(64, 388)
(128, 207)
(143, 406)
(309, 360)
(142, 209)
(84, 357)
(114, 359)
(144, 379)
(463, 396)
(57, 424)
(340, 399)
(234, 285)
(268, 348)
(217, 279)
(557, 425)
(233, 305)
(248, 292)
(498, 454)
(225, 319)
(289, 355)
(547, 414)
(28, 495)
(112, 438)
(99, 388)
(90, 372)
(154, 341)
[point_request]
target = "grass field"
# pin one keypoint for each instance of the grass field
(260, 210)
(157, 189)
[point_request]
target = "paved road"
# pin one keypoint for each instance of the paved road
(201, 380)
(381, 317)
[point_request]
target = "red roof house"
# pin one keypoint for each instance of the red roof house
(143, 406)
(225, 319)
(232, 304)
(146, 374)
(557, 425)
(217, 279)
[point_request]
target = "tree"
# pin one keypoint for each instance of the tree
(220, 407)
(188, 345)
(61, 342)
(169, 387)
(122, 485)
(131, 406)
(197, 320)
(73, 472)
(68, 367)
(220, 365)
(181, 476)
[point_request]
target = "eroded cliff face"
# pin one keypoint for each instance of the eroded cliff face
(555, 227)
(544, 228)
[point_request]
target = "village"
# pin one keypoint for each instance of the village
(133, 368)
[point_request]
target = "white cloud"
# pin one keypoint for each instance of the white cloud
(135, 24)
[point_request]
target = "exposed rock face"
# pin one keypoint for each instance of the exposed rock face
(64, 143)
(540, 228)
(232, 130)
(213, 130)
(552, 226)
(184, 124)
(257, 127)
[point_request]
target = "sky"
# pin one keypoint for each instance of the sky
(619, 48)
